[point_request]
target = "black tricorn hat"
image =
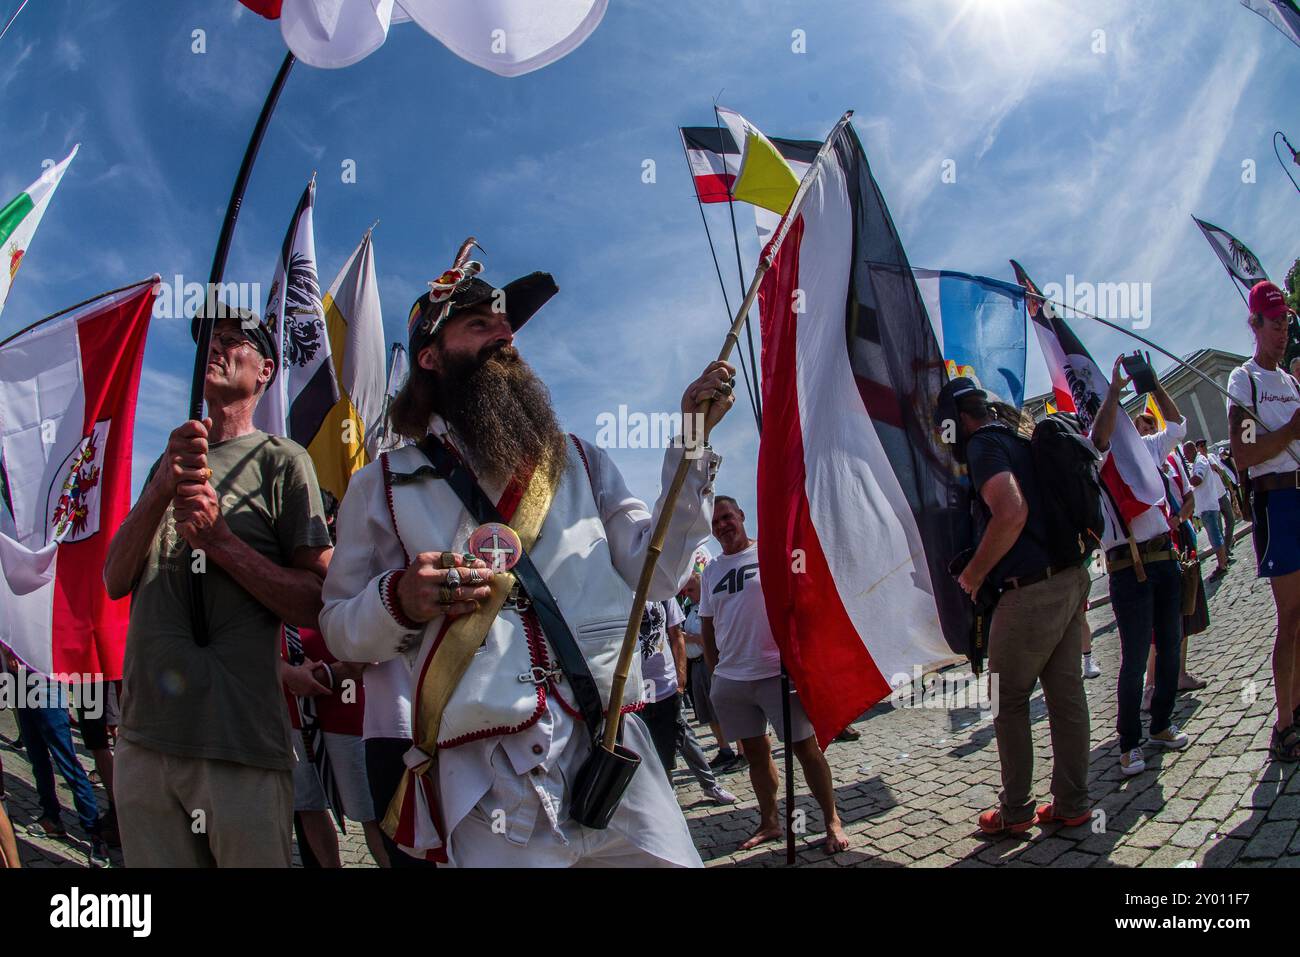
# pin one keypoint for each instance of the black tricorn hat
(460, 288)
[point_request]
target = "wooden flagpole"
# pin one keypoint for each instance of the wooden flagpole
(614, 708)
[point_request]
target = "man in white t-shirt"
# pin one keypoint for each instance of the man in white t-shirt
(1264, 428)
(747, 687)
(1209, 489)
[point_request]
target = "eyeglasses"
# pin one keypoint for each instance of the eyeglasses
(229, 343)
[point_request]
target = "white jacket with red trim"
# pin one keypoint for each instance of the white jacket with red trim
(590, 552)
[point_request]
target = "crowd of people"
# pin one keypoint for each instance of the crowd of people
(431, 658)
(1039, 633)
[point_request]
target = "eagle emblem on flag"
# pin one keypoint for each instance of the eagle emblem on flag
(1245, 260)
(15, 260)
(73, 509)
(304, 316)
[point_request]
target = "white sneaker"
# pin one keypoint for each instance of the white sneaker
(1172, 738)
(1132, 762)
(1090, 669)
(720, 795)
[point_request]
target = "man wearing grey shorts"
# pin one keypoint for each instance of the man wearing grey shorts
(746, 695)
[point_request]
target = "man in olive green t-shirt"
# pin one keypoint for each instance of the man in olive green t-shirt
(204, 762)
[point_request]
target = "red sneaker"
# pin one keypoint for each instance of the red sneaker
(993, 822)
(1046, 814)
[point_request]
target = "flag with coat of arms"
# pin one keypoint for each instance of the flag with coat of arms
(68, 388)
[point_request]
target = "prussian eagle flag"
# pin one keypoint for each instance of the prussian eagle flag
(860, 505)
(19, 218)
(1242, 265)
(1079, 386)
(304, 390)
(67, 417)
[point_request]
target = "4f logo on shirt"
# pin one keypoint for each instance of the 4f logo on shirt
(735, 579)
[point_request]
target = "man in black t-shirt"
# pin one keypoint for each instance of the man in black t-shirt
(1038, 625)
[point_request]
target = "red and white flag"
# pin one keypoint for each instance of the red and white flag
(68, 390)
(1079, 385)
(505, 37)
(860, 504)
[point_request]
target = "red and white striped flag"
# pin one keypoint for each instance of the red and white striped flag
(860, 505)
(1079, 385)
(67, 419)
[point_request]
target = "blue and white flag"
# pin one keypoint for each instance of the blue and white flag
(980, 325)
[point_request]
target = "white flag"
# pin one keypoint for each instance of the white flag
(1241, 263)
(397, 374)
(506, 37)
(19, 219)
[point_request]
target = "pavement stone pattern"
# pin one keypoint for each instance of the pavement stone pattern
(910, 788)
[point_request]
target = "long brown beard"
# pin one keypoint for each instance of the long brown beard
(497, 405)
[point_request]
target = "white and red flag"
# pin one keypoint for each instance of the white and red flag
(1079, 386)
(860, 504)
(68, 390)
(506, 37)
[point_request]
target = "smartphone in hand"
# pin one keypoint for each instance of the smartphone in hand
(1138, 368)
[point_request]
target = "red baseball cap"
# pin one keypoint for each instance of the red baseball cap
(1267, 300)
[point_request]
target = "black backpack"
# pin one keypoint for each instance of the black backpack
(1066, 467)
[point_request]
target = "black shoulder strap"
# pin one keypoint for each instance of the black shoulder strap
(446, 466)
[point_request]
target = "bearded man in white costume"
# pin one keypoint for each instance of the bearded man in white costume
(499, 733)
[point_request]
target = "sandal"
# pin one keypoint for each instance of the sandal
(1285, 744)
(993, 821)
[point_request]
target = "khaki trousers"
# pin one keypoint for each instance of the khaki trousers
(1037, 635)
(196, 812)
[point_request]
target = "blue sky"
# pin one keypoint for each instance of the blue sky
(1072, 161)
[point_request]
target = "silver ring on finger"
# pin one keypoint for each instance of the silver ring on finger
(473, 577)
(453, 578)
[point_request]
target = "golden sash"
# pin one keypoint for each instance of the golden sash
(462, 638)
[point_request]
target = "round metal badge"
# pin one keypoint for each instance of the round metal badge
(497, 545)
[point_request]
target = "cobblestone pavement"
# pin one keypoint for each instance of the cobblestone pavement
(910, 789)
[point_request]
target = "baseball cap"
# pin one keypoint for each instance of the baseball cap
(1267, 300)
